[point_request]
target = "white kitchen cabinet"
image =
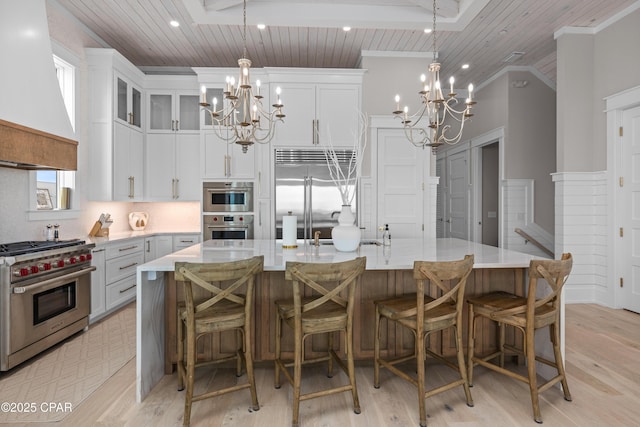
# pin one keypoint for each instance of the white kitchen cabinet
(157, 246)
(173, 162)
(222, 160)
(113, 283)
(98, 283)
(122, 260)
(128, 154)
(115, 127)
(173, 111)
(181, 241)
(262, 221)
(128, 104)
(319, 114)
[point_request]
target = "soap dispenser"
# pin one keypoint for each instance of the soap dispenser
(386, 237)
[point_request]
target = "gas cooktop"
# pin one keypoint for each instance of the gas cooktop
(27, 247)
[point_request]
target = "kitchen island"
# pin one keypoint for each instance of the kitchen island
(388, 272)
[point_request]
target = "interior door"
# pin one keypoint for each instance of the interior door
(459, 209)
(629, 214)
(400, 194)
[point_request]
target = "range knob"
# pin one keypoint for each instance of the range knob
(34, 269)
(83, 258)
(23, 272)
(72, 260)
(89, 257)
(46, 266)
(60, 263)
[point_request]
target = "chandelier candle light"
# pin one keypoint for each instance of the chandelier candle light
(436, 110)
(241, 116)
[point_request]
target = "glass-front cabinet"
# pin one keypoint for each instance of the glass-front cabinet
(171, 111)
(128, 102)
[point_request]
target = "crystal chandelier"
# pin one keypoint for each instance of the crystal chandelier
(431, 126)
(241, 117)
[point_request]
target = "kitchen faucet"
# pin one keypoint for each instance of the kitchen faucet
(316, 239)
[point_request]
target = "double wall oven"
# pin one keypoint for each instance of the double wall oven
(227, 210)
(45, 296)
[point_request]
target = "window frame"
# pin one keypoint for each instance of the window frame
(66, 60)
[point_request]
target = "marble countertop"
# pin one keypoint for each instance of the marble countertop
(399, 256)
(123, 235)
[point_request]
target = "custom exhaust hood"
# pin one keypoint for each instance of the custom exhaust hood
(35, 131)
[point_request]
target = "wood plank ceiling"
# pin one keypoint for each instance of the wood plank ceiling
(140, 30)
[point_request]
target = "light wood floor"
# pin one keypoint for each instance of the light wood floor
(602, 358)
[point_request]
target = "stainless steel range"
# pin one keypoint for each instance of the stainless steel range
(45, 296)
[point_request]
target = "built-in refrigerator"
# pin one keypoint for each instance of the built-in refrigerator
(303, 186)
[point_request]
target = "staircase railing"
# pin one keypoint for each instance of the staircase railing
(528, 238)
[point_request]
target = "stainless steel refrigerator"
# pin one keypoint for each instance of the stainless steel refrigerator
(303, 186)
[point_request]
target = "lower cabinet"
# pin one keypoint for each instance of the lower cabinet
(113, 284)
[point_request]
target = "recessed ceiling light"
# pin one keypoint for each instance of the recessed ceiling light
(427, 30)
(346, 28)
(174, 23)
(261, 26)
(465, 66)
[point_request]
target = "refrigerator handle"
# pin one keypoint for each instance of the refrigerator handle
(304, 210)
(310, 232)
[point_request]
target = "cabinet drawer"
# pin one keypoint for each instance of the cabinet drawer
(119, 268)
(125, 248)
(184, 241)
(120, 292)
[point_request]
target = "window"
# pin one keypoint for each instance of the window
(54, 189)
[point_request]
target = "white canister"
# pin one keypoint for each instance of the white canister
(289, 231)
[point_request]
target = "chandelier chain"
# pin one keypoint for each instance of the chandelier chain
(434, 30)
(244, 29)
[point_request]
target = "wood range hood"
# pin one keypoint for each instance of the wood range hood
(26, 148)
(35, 130)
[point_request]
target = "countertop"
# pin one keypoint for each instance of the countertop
(123, 235)
(399, 256)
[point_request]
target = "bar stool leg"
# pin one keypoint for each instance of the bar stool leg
(352, 371)
(531, 369)
(276, 382)
(555, 338)
(376, 351)
(471, 339)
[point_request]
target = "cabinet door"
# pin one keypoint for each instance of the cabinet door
(188, 112)
(241, 165)
(122, 183)
(150, 249)
(128, 103)
(161, 116)
(136, 165)
(164, 245)
(160, 155)
(263, 171)
(127, 163)
(214, 156)
(98, 283)
(299, 108)
(338, 114)
(187, 163)
(262, 220)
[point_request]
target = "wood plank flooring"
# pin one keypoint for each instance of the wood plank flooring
(602, 357)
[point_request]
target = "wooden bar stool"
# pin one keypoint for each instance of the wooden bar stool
(527, 315)
(422, 315)
(224, 309)
(319, 305)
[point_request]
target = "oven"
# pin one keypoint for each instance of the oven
(45, 297)
(227, 227)
(227, 197)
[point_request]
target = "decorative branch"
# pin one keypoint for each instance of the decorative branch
(347, 179)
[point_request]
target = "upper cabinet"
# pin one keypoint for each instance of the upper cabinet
(115, 127)
(223, 160)
(128, 103)
(173, 139)
(173, 111)
(322, 107)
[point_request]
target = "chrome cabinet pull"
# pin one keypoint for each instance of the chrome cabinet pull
(128, 266)
(177, 193)
(177, 125)
(127, 248)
